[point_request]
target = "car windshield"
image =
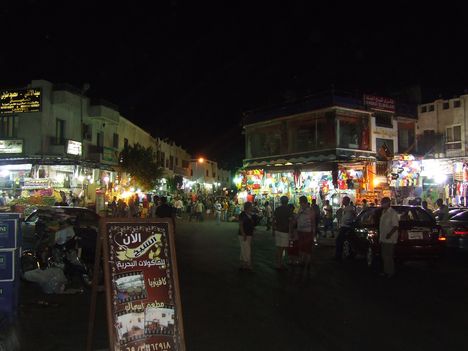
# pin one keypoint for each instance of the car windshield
(461, 216)
(406, 214)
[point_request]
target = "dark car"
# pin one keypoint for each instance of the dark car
(85, 224)
(419, 235)
(457, 232)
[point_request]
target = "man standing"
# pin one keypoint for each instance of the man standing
(178, 207)
(165, 210)
(316, 210)
(442, 212)
(347, 218)
(246, 230)
(280, 231)
(305, 223)
(388, 234)
(268, 214)
(217, 208)
(328, 219)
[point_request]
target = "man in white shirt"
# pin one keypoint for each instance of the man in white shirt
(388, 235)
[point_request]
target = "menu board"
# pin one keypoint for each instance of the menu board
(143, 299)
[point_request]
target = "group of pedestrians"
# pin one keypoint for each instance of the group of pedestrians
(299, 229)
(287, 227)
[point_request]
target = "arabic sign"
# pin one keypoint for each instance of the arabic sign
(379, 103)
(143, 299)
(11, 146)
(17, 101)
(110, 155)
(74, 148)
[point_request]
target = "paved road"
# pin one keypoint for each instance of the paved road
(342, 306)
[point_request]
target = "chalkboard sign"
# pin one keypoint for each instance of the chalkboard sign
(143, 298)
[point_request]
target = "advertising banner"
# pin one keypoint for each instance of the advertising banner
(143, 299)
(19, 101)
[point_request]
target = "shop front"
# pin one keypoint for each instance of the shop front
(445, 179)
(405, 179)
(332, 182)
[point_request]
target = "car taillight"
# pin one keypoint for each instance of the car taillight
(441, 238)
(460, 232)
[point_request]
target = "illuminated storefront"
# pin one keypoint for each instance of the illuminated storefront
(346, 180)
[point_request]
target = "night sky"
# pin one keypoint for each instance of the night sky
(188, 70)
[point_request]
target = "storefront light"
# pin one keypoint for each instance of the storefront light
(132, 189)
(81, 178)
(376, 182)
(440, 178)
(106, 179)
(4, 173)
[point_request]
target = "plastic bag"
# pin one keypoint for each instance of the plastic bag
(51, 280)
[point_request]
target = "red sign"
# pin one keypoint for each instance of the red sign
(379, 103)
(143, 299)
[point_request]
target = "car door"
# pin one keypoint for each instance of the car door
(365, 229)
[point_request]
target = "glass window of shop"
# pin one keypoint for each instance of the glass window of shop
(406, 137)
(8, 126)
(453, 137)
(312, 134)
(353, 132)
(266, 141)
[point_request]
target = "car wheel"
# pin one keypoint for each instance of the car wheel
(347, 252)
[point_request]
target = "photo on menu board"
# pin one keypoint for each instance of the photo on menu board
(130, 286)
(143, 299)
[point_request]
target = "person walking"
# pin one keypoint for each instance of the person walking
(199, 210)
(388, 235)
(268, 215)
(347, 218)
(246, 230)
(281, 230)
(316, 210)
(328, 219)
(218, 208)
(306, 231)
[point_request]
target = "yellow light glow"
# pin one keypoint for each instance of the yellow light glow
(201, 160)
(376, 182)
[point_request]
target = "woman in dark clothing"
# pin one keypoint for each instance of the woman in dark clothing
(246, 229)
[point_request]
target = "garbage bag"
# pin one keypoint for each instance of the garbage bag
(51, 280)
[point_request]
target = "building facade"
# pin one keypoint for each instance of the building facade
(324, 147)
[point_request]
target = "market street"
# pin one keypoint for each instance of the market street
(342, 307)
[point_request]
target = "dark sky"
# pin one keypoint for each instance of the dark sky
(187, 70)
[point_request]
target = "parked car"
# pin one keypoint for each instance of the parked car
(457, 232)
(85, 223)
(419, 236)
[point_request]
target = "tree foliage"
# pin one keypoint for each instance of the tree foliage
(139, 162)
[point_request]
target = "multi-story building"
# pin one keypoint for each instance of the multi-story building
(323, 146)
(53, 138)
(207, 177)
(442, 144)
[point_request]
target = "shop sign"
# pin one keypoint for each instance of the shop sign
(19, 101)
(36, 183)
(110, 155)
(74, 148)
(11, 146)
(379, 103)
(142, 289)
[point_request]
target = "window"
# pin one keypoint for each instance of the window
(115, 141)
(60, 131)
(207, 173)
(125, 142)
(100, 140)
(353, 132)
(87, 132)
(185, 164)
(431, 108)
(167, 163)
(456, 103)
(423, 109)
(453, 137)
(7, 127)
(171, 162)
(406, 137)
(383, 120)
(177, 161)
(445, 105)
(214, 175)
(191, 172)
